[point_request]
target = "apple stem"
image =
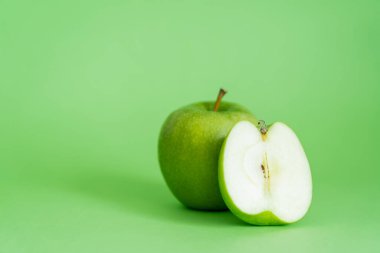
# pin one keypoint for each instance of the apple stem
(221, 94)
(263, 127)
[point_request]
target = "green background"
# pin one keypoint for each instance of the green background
(86, 85)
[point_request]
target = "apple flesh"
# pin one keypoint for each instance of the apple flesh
(189, 145)
(264, 174)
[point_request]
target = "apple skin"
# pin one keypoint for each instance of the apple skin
(261, 219)
(188, 151)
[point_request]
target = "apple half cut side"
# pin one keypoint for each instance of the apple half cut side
(264, 175)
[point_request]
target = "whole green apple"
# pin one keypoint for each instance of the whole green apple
(188, 149)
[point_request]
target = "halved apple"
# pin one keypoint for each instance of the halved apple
(264, 175)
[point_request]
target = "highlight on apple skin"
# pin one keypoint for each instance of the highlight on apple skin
(264, 175)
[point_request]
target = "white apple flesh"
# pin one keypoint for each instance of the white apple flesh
(264, 174)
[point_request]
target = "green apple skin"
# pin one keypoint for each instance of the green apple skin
(261, 219)
(188, 151)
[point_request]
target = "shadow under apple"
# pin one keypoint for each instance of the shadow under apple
(141, 196)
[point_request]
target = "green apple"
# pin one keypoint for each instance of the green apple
(189, 146)
(264, 174)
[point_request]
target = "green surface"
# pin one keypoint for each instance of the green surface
(85, 87)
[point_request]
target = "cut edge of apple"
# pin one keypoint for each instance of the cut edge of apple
(264, 175)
